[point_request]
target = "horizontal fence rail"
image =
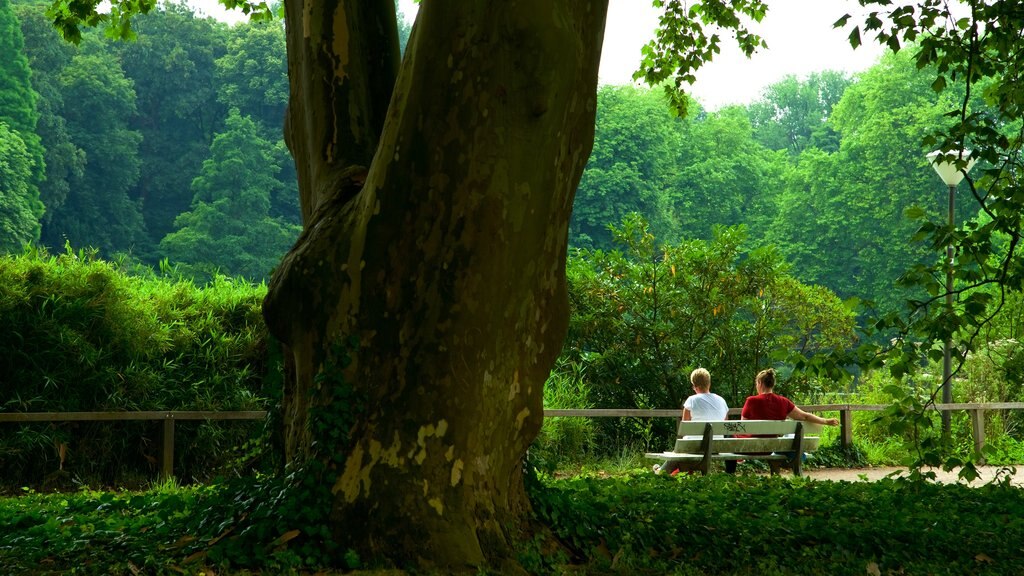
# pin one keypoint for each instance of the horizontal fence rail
(976, 411)
(168, 417)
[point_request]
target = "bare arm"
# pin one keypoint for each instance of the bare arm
(798, 414)
(687, 415)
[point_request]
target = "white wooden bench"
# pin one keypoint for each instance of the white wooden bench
(699, 443)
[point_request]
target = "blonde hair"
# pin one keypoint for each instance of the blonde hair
(701, 379)
(766, 378)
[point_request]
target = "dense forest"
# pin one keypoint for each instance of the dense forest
(166, 148)
(169, 148)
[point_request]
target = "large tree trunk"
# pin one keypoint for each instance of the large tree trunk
(443, 258)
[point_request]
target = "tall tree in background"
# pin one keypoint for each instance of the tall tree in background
(792, 114)
(98, 211)
(229, 228)
(842, 215)
(172, 68)
(636, 145)
(18, 112)
(252, 76)
(19, 207)
(48, 55)
(728, 178)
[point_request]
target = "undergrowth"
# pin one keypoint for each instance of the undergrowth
(630, 524)
(82, 334)
(723, 524)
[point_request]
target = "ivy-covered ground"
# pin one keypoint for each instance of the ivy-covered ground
(762, 525)
(636, 523)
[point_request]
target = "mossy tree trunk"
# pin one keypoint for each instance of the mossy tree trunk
(436, 200)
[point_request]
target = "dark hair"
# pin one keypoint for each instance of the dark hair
(766, 378)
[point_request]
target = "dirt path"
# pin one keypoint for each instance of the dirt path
(988, 473)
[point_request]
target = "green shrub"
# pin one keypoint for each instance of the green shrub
(646, 314)
(569, 439)
(82, 335)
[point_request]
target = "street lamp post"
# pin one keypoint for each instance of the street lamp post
(951, 175)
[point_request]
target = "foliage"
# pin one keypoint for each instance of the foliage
(130, 143)
(682, 43)
(252, 76)
(229, 229)
(841, 214)
(172, 65)
(281, 521)
(82, 335)
(93, 532)
(98, 211)
(643, 318)
(639, 523)
(17, 98)
(48, 56)
(568, 439)
(724, 177)
(792, 114)
(19, 208)
(632, 162)
(721, 524)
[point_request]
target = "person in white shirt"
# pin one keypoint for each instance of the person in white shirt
(702, 406)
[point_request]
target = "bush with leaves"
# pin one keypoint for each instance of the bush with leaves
(81, 335)
(564, 439)
(644, 316)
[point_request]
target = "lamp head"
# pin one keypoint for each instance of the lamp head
(947, 170)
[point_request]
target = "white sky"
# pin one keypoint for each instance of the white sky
(799, 34)
(800, 39)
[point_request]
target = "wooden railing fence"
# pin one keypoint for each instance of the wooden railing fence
(975, 410)
(168, 418)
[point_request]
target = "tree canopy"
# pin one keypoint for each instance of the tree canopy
(230, 229)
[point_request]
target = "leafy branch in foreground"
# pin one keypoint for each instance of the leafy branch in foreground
(976, 51)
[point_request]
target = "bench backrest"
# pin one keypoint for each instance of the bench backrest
(784, 435)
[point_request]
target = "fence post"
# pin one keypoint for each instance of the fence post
(846, 428)
(167, 453)
(978, 424)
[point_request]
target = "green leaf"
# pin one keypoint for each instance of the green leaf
(914, 212)
(854, 37)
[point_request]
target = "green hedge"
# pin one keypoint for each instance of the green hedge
(81, 334)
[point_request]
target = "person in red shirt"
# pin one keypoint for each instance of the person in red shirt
(768, 405)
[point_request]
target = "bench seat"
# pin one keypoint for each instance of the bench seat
(782, 443)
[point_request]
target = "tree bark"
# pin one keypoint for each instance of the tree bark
(444, 257)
